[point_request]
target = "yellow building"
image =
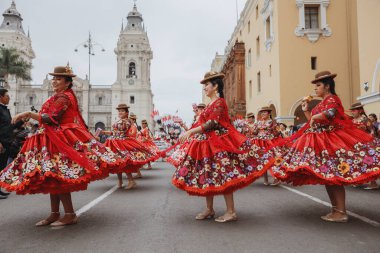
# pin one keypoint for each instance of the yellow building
(368, 21)
(288, 41)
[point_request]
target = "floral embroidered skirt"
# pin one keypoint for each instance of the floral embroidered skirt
(204, 169)
(151, 146)
(135, 153)
(332, 157)
(43, 166)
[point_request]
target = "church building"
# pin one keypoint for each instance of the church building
(97, 103)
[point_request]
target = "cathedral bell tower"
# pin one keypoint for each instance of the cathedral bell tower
(12, 35)
(134, 57)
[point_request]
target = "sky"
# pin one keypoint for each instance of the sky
(184, 36)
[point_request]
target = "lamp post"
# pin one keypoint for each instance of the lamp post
(90, 45)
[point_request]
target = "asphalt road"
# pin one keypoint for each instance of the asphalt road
(157, 217)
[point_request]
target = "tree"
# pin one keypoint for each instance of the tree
(11, 63)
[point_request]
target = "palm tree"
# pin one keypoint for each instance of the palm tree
(11, 63)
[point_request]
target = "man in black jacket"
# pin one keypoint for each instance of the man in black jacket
(6, 132)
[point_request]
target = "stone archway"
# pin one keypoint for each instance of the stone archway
(274, 111)
(300, 115)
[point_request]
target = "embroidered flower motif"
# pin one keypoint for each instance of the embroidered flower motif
(202, 179)
(368, 160)
(183, 172)
(278, 161)
(344, 168)
(324, 169)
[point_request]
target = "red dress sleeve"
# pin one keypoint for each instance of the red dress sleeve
(56, 109)
(217, 116)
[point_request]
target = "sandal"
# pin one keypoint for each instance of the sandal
(205, 215)
(223, 219)
(372, 187)
(276, 182)
(59, 223)
(329, 217)
(131, 184)
(47, 221)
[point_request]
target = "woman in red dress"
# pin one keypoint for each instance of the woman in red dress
(362, 122)
(264, 133)
(329, 150)
(215, 159)
(123, 142)
(146, 137)
(61, 157)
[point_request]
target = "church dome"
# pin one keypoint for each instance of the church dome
(135, 13)
(12, 11)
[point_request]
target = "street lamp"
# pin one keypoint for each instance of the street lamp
(90, 45)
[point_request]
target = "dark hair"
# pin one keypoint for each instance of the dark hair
(70, 80)
(373, 115)
(331, 83)
(3, 91)
(283, 125)
(219, 82)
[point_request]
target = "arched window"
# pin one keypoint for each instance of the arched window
(132, 69)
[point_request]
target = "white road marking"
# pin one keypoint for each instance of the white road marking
(357, 216)
(90, 205)
(96, 201)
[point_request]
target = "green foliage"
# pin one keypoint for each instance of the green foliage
(11, 63)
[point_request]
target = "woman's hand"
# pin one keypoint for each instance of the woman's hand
(184, 137)
(312, 120)
(20, 116)
(305, 106)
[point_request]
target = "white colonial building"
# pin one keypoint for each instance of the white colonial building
(97, 103)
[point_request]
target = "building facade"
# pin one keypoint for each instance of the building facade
(287, 42)
(97, 103)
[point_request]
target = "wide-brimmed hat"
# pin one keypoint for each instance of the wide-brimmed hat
(250, 115)
(144, 121)
(133, 116)
(122, 106)
(63, 71)
(201, 105)
(356, 106)
(211, 75)
(323, 75)
(265, 108)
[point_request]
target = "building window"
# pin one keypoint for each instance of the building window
(249, 26)
(258, 82)
(249, 58)
(313, 63)
(267, 28)
(132, 69)
(31, 100)
(257, 11)
(311, 17)
(132, 99)
(7, 23)
(250, 89)
(267, 15)
(270, 70)
(100, 100)
(258, 46)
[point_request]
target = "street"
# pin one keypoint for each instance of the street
(157, 217)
